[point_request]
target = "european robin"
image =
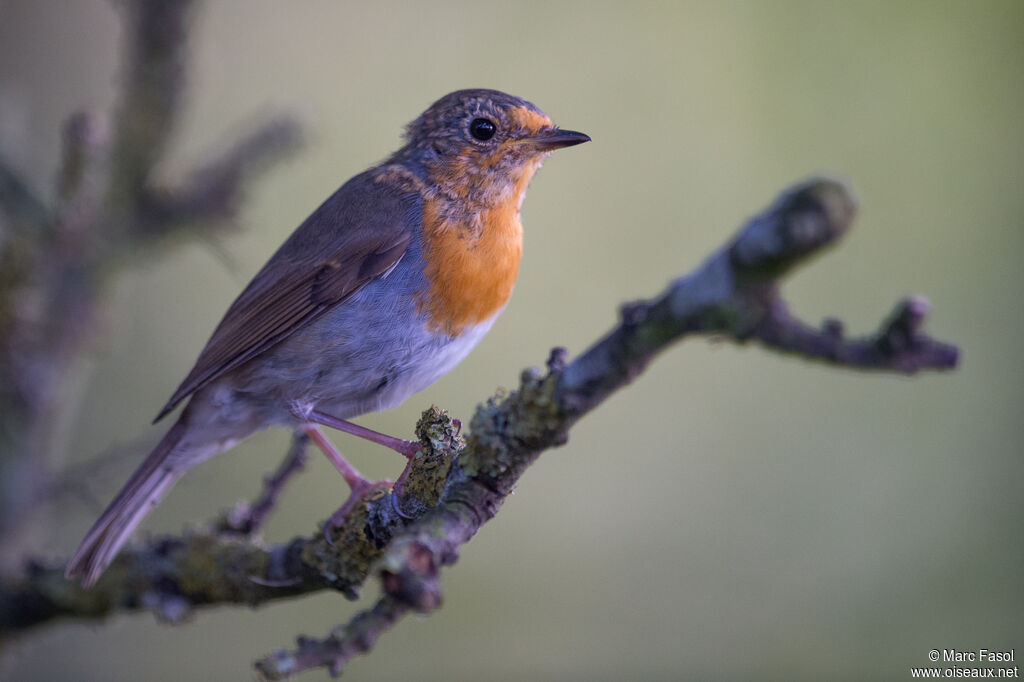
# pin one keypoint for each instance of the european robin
(377, 294)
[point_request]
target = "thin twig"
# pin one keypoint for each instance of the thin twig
(248, 518)
(344, 643)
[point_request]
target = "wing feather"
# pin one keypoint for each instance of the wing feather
(359, 233)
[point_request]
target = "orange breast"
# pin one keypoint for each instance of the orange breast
(471, 265)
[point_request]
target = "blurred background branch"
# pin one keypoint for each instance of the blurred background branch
(56, 262)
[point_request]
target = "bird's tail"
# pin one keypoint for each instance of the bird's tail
(140, 495)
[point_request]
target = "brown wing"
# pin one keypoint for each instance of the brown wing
(359, 233)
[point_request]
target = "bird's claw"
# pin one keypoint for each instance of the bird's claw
(359, 491)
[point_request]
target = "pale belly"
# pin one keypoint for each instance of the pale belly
(422, 359)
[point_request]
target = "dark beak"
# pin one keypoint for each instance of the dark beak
(555, 138)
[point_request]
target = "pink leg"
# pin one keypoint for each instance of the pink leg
(356, 481)
(409, 448)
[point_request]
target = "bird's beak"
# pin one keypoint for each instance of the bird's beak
(554, 138)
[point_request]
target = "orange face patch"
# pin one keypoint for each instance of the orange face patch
(530, 120)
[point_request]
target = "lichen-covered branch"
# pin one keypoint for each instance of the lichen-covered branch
(454, 486)
(55, 261)
(734, 294)
(224, 562)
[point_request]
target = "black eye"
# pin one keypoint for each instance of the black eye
(482, 129)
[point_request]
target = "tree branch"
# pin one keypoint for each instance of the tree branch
(734, 293)
(216, 565)
(453, 486)
(343, 643)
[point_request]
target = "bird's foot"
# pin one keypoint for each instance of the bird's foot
(359, 492)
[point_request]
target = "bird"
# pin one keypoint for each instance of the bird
(382, 290)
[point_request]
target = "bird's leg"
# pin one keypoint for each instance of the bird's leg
(409, 448)
(359, 484)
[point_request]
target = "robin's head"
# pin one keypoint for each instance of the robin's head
(480, 145)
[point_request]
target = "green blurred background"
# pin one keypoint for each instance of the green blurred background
(732, 514)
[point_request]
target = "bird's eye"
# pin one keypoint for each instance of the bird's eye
(482, 129)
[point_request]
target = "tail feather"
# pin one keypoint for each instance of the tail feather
(143, 491)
